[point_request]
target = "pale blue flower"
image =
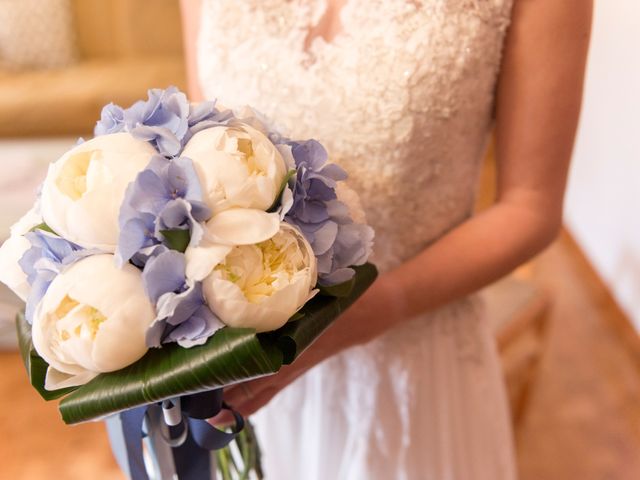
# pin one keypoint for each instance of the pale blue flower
(48, 256)
(182, 314)
(166, 195)
(337, 241)
(165, 119)
(161, 120)
(111, 120)
(205, 115)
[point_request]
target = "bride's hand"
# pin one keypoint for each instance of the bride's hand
(373, 313)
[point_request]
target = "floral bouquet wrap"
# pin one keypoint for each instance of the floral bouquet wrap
(183, 249)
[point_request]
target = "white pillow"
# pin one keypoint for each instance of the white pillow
(36, 34)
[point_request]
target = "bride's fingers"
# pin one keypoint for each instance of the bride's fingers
(254, 404)
(222, 420)
(249, 397)
(241, 392)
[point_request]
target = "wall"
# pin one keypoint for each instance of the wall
(603, 200)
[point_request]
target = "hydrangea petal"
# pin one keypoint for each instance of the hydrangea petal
(164, 273)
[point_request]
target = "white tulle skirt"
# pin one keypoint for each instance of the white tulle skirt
(424, 401)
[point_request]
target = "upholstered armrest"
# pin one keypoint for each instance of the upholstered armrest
(68, 101)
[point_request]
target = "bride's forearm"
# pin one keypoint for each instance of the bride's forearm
(469, 257)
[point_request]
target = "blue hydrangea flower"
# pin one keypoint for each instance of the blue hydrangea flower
(166, 195)
(182, 314)
(111, 120)
(165, 119)
(161, 120)
(205, 115)
(48, 256)
(337, 242)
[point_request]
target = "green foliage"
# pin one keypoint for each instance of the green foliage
(177, 239)
(230, 356)
(341, 290)
(45, 227)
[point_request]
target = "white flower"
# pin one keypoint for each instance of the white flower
(12, 250)
(84, 189)
(237, 226)
(261, 286)
(93, 319)
(238, 166)
(241, 173)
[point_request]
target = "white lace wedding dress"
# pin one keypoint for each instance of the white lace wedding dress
(402, 97)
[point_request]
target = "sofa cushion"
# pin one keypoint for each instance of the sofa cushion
(36, 34)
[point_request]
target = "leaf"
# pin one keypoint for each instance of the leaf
(319, 313)
(230, 356)
(34, 363)
(177, 239)
(45, 227)
(340, 290)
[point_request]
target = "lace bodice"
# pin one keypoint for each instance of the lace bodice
(401, 97)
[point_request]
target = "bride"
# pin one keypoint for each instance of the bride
(404, 93)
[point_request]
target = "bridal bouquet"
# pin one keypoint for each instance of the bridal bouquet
(182, 249)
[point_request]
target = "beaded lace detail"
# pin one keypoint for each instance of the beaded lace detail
(401, 97)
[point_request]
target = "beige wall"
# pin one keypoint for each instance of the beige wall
(603, 200)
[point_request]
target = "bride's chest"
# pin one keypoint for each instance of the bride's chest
(389, 59)
(365, 34)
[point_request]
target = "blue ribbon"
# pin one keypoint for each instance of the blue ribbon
(192, 458)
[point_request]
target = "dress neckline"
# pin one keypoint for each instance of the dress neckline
(313, 48)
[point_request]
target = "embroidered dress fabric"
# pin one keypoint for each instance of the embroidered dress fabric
(402, 98)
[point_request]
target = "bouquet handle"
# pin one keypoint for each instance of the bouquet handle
(179, 439)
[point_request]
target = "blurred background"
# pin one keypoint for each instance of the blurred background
(566, 323)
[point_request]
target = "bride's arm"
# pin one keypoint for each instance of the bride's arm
(538, 103)
(190, 10)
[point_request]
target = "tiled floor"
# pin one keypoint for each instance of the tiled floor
(582, 420)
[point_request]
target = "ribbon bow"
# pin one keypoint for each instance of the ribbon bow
(181, 438)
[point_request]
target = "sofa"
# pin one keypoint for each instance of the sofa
(123, 48)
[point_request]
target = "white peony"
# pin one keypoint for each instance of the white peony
(12, 250)
(261, 286)
(93, 319)
(84, 189)
(241, 173)
(236, 226)
(238, 166)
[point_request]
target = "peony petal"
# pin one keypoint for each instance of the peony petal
(242, 226)
(10, 272)
(227, 178)
(118, 295)
(229, 303)
(91, 220)
(202, 259)
(55, 379)
(29, 220)
(110, 350)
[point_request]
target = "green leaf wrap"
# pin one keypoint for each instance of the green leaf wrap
(230, 356)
